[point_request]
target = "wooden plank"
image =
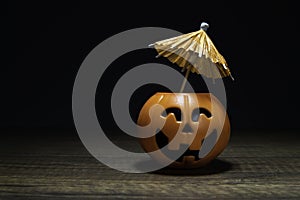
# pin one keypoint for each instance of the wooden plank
(253, 166)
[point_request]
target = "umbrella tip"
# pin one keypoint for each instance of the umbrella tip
(204, 26)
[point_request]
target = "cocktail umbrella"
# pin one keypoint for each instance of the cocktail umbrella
(194, 52)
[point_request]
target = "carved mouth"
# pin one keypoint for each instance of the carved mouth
(162, 141)
(188, 152)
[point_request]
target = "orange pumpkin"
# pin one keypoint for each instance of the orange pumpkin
(204, 132)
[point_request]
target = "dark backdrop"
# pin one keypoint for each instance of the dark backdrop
(44, 44)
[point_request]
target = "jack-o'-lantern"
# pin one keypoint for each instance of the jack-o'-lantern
(199, 120)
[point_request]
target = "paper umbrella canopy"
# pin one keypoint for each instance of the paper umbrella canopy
(194, 52)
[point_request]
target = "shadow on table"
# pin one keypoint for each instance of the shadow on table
(216, 166)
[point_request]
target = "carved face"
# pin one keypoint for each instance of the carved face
(199, 120)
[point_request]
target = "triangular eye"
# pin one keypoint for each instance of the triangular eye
(175, 111)
(197, 111)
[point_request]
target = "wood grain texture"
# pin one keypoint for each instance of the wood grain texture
(255, 165)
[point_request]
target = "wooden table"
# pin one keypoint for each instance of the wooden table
(255, 165)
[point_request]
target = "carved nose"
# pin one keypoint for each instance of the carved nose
(187, 129)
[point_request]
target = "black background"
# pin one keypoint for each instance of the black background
(44, 44)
